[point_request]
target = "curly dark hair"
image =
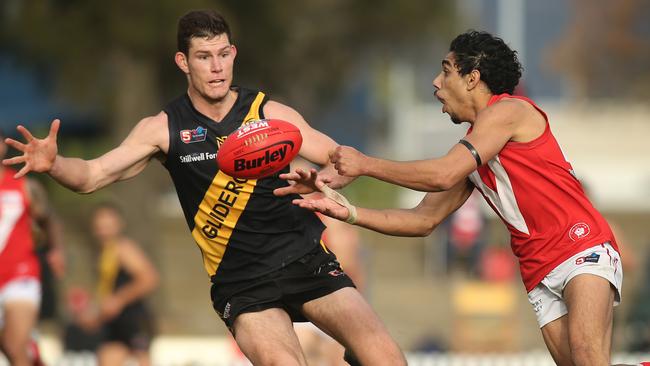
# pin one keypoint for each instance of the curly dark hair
(498, 64)
(200, 24)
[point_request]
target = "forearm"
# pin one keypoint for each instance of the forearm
(73, 173)
(136, 290)
(420, 175)
(397, 222)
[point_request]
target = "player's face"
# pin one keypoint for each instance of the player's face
(106, 224)
(451, 90)
(210, 64)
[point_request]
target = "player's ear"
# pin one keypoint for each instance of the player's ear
(233, 48)
(181, 62)
(473, 78)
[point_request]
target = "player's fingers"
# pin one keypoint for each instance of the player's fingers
(25, 132)
(319, 184)
(15, 144)
(54, 128)
(303, 174)
(285, 191)
(14, 160)
(22, 171)
(289, 176)
(282, 191)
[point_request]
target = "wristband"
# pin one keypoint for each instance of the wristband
(341, 200)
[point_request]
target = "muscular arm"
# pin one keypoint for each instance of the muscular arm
(148, 137)
(493, 128)
(316, 146)
(418, 221)
(123, 162)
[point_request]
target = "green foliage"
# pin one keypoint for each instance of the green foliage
(304, 50)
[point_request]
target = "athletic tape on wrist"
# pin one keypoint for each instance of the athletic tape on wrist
(341, 200)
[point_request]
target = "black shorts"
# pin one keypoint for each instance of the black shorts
(133, 328)
(315, 275)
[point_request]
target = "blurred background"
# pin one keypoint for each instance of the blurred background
(360, 71)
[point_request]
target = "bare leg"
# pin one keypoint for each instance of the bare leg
(112, 354)
(556, 337)
(346, 316)
(20, 319)
(143, 357)
(590, 302)
(267, 338)
(583, 336)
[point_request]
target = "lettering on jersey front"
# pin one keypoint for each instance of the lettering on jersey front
(218, 213)
(194, 157)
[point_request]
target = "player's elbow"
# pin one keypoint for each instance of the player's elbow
(84, 190)
(443, 181)
(428, 228)
(425, 226)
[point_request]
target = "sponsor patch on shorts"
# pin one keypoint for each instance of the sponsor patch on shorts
(591, 258)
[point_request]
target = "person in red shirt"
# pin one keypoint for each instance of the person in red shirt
(568, 256)
(23, 203)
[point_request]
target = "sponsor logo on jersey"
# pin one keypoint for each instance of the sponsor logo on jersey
(196, 135)
(195, 157)
(220, 141)
(579, 231)
(591, 258)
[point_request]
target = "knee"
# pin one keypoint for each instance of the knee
(585, 354)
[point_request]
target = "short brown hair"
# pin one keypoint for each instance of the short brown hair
(200, 24)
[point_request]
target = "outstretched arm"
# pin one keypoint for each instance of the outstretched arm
(418, 221)
(316, 146)
(493, 128)
(146, 139)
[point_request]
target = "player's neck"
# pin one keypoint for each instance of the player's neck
(214, 109)
(479, 102)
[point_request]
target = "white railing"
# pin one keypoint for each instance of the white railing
(218, 351)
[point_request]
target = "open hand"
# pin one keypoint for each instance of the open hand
(301, 182)
(38, 154)
(324, 205)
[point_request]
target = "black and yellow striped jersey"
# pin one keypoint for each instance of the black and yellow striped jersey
(242, 229)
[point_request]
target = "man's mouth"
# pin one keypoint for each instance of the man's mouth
(216, 82)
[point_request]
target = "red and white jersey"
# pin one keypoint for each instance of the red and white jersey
(533, 189)
(17, 257)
